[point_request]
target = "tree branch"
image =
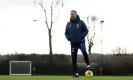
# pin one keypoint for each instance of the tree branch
(52, 3)
(88, 21)
(53, 34)
(51, 18)
(56, 4)
(55, 18)
(52, 8)
(46, 22)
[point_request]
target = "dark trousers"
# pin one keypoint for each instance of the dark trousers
(74, 50)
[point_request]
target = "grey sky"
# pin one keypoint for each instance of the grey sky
(19, 33)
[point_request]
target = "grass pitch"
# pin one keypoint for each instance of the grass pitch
(64, 78)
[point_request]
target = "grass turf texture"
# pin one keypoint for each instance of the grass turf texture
(64, 78)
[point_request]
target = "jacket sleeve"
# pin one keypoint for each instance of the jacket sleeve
(66, 32)
(84, 30)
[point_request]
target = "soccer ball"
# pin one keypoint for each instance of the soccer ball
(89, 73)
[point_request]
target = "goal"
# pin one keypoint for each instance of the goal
(20, 68)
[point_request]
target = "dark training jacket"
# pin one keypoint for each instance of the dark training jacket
(76, 30)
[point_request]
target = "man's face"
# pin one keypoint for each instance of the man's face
(73, 15)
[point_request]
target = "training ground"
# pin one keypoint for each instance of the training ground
(65, 78)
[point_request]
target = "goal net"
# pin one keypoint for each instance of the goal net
(20, 68)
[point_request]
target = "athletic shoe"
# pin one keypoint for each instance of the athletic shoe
(76, 75)
(90, 68)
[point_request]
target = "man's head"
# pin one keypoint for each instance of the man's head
(73, 14)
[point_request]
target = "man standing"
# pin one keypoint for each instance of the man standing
(76, 31)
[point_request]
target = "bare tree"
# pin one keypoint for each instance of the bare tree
(90, 38)
(53, 5)
(120, 51)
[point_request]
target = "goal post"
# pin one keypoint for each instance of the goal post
(20, 68)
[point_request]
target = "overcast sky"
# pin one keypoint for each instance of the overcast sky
(19, 33)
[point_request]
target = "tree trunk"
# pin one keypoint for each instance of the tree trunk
(50, 43)
(50, 48)
(89, 48)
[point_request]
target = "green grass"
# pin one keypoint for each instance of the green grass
(64, 78)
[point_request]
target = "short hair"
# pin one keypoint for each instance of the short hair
(74, 11)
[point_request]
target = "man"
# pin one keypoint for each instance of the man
(76, 31)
